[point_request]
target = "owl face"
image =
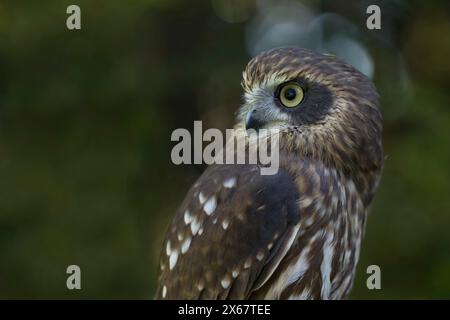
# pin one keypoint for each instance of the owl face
(324, 107)
(287, 101)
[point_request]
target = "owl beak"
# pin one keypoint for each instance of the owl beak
(252, 122)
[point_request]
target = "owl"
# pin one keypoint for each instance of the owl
(295, 234)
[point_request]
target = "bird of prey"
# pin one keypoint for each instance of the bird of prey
(296, 234)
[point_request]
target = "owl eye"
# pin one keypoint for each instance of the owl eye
(291, 95)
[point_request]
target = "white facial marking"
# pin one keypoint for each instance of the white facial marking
(185, 245)
(173, 259)
(234, 274)
(229, 183)
(164, 291)
(210, 205)
(201, 198)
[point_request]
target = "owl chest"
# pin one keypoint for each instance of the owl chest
(322, 262)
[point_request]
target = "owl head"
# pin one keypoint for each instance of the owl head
(324, 108)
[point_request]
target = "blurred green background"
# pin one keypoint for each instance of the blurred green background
(86, 118)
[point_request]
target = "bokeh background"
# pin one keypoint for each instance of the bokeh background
(86, 118)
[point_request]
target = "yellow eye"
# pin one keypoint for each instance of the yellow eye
(291, 95)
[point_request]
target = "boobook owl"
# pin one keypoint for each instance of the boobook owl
(296, 234)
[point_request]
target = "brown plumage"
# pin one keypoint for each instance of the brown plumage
(296, 234)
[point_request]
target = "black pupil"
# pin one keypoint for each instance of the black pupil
(290, 94)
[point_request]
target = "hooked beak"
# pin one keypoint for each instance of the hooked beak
(252, 122)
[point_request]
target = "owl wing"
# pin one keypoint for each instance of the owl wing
(229, 235)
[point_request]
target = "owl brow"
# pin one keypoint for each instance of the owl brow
(294, 79)
(274, 81)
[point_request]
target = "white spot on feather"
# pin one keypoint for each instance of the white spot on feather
(225, 282)
(201, 198)
(304, 295)
(187, 217)
(248, 263)
(300, 266)
(305, 202)
(185, 245)
(341, 289)
(164, 291)
(168, 251)
(210, 205)
(334, 202)
(325, 267)
(294, 270)
(351, 187)
(225, 224)
(173, 259)
(195, 226)
(230, 183)
(260, 255)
